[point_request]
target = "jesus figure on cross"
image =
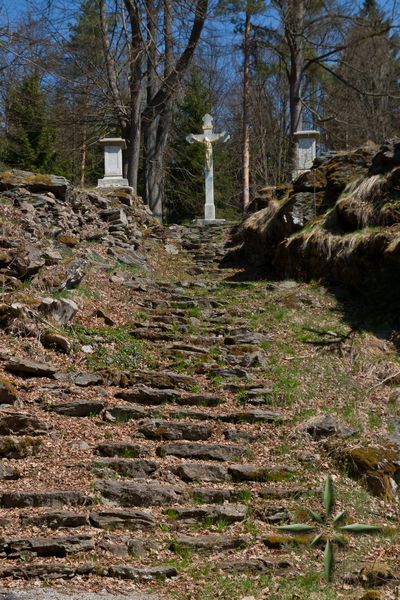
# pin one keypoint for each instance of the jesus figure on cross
(208, 138)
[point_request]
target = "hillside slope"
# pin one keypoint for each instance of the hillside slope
(159, 420)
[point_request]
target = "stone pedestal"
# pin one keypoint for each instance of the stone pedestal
(306, 150)
(202, 222)
(113, 163)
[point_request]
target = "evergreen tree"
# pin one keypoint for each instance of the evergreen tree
(184, 179)
(185, 169)
(83, 119)
(29, 139)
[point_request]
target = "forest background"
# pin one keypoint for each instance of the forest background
(148, 70)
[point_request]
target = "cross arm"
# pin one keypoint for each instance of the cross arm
(192, 138)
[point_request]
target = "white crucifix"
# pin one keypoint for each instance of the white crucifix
(208, 138)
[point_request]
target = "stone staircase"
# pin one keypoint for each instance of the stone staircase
(181, 467)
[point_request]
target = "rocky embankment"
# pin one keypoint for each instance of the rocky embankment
(160, 420)
(338, 222)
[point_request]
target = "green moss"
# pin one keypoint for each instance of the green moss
(280, 541)
(8, 391)
(11, 448)
(38, 179)
(375, 466)
(68, 240)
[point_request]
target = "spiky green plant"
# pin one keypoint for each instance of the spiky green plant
(332, 532)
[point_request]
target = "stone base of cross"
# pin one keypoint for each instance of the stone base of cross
(208, 138)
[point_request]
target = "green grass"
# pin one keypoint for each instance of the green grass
(303, 587)
(374, 420)
(246, 495)
(87, 293)
(226, 586)
(286, 382)
(114, 347)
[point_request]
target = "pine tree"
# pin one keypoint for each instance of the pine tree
(29, 139)
(185, 170)
(83, 119)
(184, 178)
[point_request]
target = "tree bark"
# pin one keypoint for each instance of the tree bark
(83, 158)
(132, 129)
(157, 116)
(152, 175)
(294, 29)
(246, 98)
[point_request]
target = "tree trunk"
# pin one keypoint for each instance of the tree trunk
(294, 27)
(83, 158)
(132, 129)
(154, 173)
(156, 131)
(157, 115)
(246, 98)
(133, 135)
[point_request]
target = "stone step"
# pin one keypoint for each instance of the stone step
(135, 468)
(34, 499)
(55, 520)
(160, 429)
(164, 380)
(8, 473)
(207, 400)
(149, 396)
(139, 494)
(78, 408)
(46, 572)
(30, 368)
(60, 547)
(253, 416)
(199, 451)
(122, 519)
(209, 543)
(218, 495)
(125, 413)
(253, 565)
(22, 423)
(246, 472)
(125, 450)
(153, 336)
(51, 571)
(50, 593)
(141, 573)
(194, 472)
(211, 514)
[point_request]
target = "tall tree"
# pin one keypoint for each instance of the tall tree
(148, 33)
(85, 114)
(184, 193)
(248, 8)
(367, 79)
(29, 139)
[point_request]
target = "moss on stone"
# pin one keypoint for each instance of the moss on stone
(68, 240)
(376, 574)
(8, 391)
(280, 541)
(376, 466)
(38, 179)
(19, 448)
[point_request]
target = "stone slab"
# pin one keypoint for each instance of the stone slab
(50, 594)
(112, 182)
(203, 222)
